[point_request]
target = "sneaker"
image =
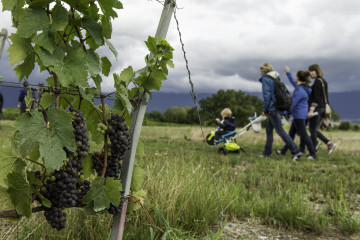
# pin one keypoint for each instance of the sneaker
(317, 146)
(263, 156)
(330, 147)
(309, 157)
(296, 156)
(278, 152)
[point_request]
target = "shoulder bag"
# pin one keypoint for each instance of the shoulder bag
(327, 112)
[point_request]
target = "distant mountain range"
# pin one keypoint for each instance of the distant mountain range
(346, 104)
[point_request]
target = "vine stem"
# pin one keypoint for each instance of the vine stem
(57, 92)
(14, 214)
(35, 162)
(102, 97)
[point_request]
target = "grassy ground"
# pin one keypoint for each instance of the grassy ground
(309, 196)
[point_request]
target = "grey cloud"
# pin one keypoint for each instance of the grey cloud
(228, 40)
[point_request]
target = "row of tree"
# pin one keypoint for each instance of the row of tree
(241, 105)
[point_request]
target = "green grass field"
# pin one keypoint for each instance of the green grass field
(313, 197)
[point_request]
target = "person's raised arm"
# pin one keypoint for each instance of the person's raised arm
(290, 77)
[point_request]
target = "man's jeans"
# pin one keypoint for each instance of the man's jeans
(275, 122)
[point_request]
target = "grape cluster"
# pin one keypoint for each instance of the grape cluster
(82, 140)
(56, 217)
(101, 128)
(114, 210)
(66, 187)
(119, 143)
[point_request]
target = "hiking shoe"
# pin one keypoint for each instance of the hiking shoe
(263, 156)
(296, 156)
(330, 147)
(278, 152)
(317, 146)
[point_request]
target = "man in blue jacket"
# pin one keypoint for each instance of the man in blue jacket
(268, 91)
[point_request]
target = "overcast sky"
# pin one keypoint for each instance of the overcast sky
(227, 41)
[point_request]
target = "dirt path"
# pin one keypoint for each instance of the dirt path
(253, 230)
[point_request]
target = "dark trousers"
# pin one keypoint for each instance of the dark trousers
(218, 135)
(275, 123)
(298, 126)
(314, 124)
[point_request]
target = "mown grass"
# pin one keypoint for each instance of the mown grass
(309, 196)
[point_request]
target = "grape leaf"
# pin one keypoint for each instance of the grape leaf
(90, 41)
(152, 83)
(97, 80)
(138, 178)
(19, 49)
(126, 76)
(72, 69)
(105, 65)
(87, 163)
(5, 199)
(35, 153)
(52, 138)
(125, 102)
(34, 183)
(93, 63)
(151, 44)
(8, 4)
(51, 59)
(157, 74)
(106, 27)
(20, 193)
(24, 70)
(29, 99)
(47, 100)
(101, 195)
(60, 18)
(111, 47)
(89, 94)
(31, 21)
(9, 160)
(140, 148)
(92, 119)
(140, 195)
(93, 11)
(108, 5)
(45, 40)
(39, 3)
(95, 29)
(59, 135)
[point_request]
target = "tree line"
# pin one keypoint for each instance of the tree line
(241, 105)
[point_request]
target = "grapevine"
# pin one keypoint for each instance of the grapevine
(46, 161)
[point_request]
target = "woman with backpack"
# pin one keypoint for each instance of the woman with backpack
(268, 90)
(317, 100)
(299, 110)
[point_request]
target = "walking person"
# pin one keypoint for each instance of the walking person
(269, 109)
(1, 105)
(299, 110)
(21, 100)
(37, 96)
(317, 98)
(1, 102)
